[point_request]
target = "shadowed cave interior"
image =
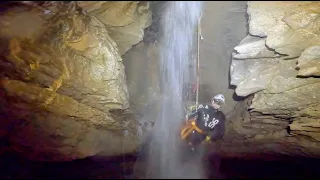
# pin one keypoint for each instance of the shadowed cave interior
(80, 87)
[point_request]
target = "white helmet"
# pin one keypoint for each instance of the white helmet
(218, 99)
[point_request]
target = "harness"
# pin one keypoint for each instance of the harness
(189, 127)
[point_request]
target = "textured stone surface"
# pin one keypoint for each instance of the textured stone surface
(274, 76)
(290, 27)
(143, 61)
(283, 106)
(309, 62)
(291, 100)
(60, 77)
(307, 127)
(253, 47)
(126, 20)
(252, 75)
(263, 16)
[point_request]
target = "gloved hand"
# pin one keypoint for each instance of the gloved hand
(192, 108)
(190, 111)
(208, 139)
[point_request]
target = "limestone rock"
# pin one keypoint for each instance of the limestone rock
(252, 75)
(307, 127)
(287, 79)
(142, 60)
(286, 93)
(284, 109)
(264, 15)
(302, 19)
(290, 100)
(57, 103)
(253, 47)
(292, 42)
(59, 80)
(112, 13)
(310, 111)
(309, 62)
(126, 20)
(290, 27)
(238, 71)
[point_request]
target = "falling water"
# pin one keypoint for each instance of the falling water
(179, 25)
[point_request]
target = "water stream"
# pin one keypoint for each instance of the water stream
(179, 27)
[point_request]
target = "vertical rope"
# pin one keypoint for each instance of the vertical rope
(198, 62)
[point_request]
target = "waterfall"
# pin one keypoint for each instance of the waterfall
(179, 29)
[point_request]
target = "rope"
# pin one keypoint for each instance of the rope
(198, 62)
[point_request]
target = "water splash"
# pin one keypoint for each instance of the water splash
(179, 25)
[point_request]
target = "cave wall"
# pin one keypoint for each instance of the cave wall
(62, 77)
(142, 69)
(59, 102)
(276, 64)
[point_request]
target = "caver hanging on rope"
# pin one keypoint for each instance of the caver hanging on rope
(204, 123)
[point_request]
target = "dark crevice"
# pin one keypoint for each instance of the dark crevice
(256, 35)
(291, 58)
(239, 98)
(310, 76)
(288, 130)
(274, 51)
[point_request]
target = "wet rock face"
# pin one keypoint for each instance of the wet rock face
(61, 75)
(145, 95)
(278, 63)
(290, 27)
(125, 20)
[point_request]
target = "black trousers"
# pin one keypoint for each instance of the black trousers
(195, 138)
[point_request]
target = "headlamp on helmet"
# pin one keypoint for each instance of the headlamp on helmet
(218, 99)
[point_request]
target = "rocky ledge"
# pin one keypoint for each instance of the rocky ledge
(277, 67)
